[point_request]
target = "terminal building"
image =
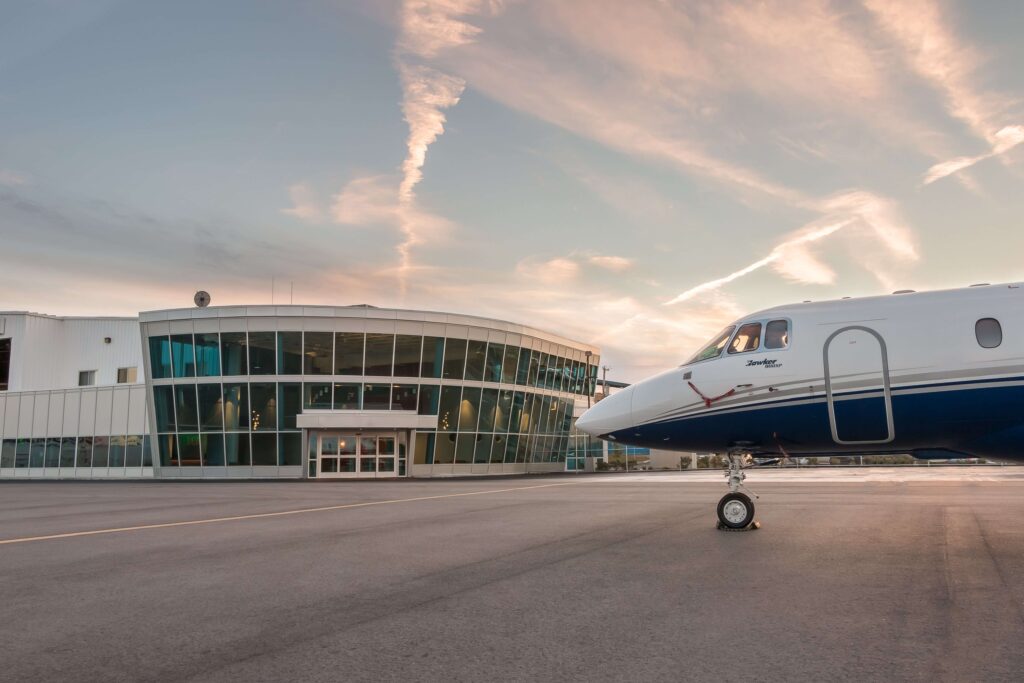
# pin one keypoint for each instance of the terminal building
(289, 392)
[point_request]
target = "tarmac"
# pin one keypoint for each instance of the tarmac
(859, 574)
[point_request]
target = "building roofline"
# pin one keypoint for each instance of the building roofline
(49, 316)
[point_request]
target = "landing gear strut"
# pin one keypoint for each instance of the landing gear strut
(736, 509)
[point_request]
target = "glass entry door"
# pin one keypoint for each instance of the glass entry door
(347, 454)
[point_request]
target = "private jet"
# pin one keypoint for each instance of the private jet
(935, 374)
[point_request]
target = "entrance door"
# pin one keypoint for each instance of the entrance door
(346, 454)
(857, 387)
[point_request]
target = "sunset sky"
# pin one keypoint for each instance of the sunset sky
(630, 174)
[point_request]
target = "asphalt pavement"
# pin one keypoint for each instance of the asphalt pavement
(859, 575)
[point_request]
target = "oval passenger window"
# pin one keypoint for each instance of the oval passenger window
(989, 332)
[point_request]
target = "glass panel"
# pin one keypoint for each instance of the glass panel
(21, 456)
(133, 451)
(470, 409)
(407, 355)
(236, 407)
(488, 404)
(747, 338)
(534, 368)
(233, 356)
(495, 354)
(159, 357)
(236, 450)
(167, 444)
(5, 363)
(385, 464)
(503, 411)
(347, 465)
(348, 353)
(482, 452)
(264, 408)
(185, 407)
(318, 358)
(497, 448)
(544, 371)
(713, 349)
(508, 365)
(163, 404)
(386, 445)
(213, 449)
(424, 448)
(348, 396)
(444, 449)
(262, 353)
(448, 413)
(511, 447)
(264, 449)
(289, 402)
(183, 355)
(290, 449)
(988, 332)
(7, 453)
(368, 445)
(516, 414)
(454, 358)
(211, 407)
(347, 445)
(377, 397)
(776, 334)
(380, 351)
(189, 451)
(368, 465)
(330, 465)
(208, 355)
(523, 371)
(328, 445)
(431, 360)
(403, 397)
(464, 450)
(67, 453)
(476, 358)
(289, 353)
(429, 394)
(51, 450)
(316, 396)
(147, 454)
(100, 451)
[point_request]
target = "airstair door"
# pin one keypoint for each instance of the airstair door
(857, 387)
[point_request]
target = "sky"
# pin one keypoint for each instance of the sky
(629, 174)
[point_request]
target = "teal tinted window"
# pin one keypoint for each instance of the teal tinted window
(167, 446)
(403, 397)
(448, 411)
(262, 353)
(318, 358)
(160, 357)
(476, 356)
(495, 355)
(380, 352)
(376, 397)
(208, 355)
(190, 452)
(516, 415)
(470, 409)
(183, 356)
(289, 404)
(236, 407)
(407, 355)
(488, 405)
(289, 449)
(348, 353)
(316, 396)
(429, 395)
(264, 449)
(212, 446)
(233, 356)
(236, 450)
(185, 407)
(523, 367)
(163, 405)
(289, 353)
(432, 358)
(454, 358)
(211, 407)
(263, 399)
(348, 396)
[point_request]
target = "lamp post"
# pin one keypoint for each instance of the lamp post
(586, 379)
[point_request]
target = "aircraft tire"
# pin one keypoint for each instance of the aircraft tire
(735, 511)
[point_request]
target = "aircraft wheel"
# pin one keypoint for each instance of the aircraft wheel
(735, 511)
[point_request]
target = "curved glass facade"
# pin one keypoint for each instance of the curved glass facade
(231, 399)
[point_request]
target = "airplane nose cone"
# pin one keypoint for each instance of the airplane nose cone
(608, 415)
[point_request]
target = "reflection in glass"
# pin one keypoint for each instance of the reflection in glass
(403, 397)
(454, 358)
(318, 356)
(289, 404)
(160, 357)
(348, 353)
(386, 445)
(429, 394)
(67, 452)
(264, 450)
(7, 453)
(444, 449)
(213, 450)
(368, 445)
(534, 368)
(208, 355)
(189, 452)
(347, 445)
(495, 354)
(497, 448)
(167, 445)
(465, 447)
(262, 353)
(347, 465)
(185, 407)
(328, 445)
(21, 454)
(163, 404)
(264, 407)
(377, 397)
(431, 360)
(348, 396)
(233, 356)
(117, 448)
(236, 407)
(51, 449)
(316, 396)
(448, 412)
(380, 353)
(470, 409)
(482, 453)
(407, 355)
(211, 407)
(182, 355)
(508, 365)
(488, 405)
(133, 451)
(289, 353)
(290, 449)
(476, 356)
(523, 370)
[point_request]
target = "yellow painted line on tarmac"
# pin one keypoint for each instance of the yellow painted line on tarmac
(261, 515)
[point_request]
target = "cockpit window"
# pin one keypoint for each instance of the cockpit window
(776, 334)
(714, 347)
(748, 338)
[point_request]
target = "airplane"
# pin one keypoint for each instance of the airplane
(936, 374)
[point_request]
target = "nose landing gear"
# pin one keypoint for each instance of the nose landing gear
(736, 509)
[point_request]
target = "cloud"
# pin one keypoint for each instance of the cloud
(305, 205)
(1005, 139)
(615, 264)
(368, 200)
(11, 179)
(555, 271)
(430, 26)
